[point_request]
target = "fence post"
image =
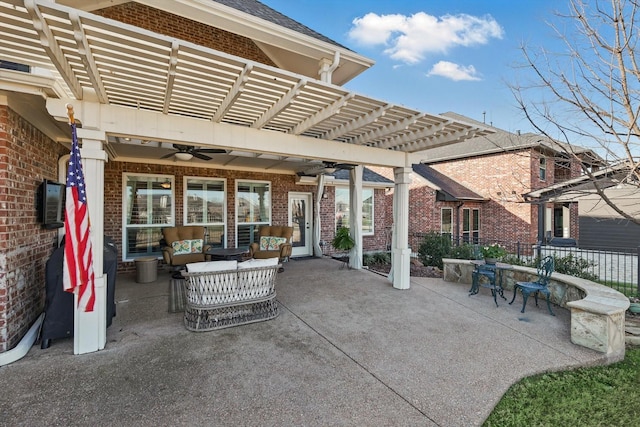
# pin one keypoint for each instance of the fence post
(539, 249)
(518, 249)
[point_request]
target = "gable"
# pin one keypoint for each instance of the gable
(172, 25)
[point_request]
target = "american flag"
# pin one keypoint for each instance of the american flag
(78, 257)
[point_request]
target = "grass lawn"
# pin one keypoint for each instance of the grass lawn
(599, 396)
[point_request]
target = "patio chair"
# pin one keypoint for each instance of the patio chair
(183, 244)
(545, 268)
(488, 271)
(274, 242)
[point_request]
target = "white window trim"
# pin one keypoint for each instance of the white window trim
(125, 227)
(237, 204)
(373, 208)
(185, 200)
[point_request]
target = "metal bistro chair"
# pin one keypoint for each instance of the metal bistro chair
(545, 268)
(488, 271)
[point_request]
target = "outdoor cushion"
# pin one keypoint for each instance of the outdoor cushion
(254, 263)
(182, 247)
(271, 243)
(199, 267)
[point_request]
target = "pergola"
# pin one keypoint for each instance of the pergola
(128, 86)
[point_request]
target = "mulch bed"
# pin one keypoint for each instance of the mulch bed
(416, 270)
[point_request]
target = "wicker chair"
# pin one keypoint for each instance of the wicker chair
(282, 251)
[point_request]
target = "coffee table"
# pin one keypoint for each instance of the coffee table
(226, 254)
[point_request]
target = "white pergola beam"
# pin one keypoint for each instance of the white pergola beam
(171, 75)
(87, 58)
(357, 123)
(387, 130)
(323, 114)
(52, 49)
(233, 94)
(280, 105)
(413, 136)
(149, 125)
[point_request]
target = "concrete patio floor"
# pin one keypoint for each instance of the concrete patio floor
(347, 349)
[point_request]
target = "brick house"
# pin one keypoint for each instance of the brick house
(176, 102)
(475, 190)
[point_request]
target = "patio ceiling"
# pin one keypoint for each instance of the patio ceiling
(121, 65)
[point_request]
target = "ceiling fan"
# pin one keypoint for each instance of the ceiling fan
(326, 168)
(187, 152)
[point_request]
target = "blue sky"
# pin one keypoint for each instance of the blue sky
(436, 56)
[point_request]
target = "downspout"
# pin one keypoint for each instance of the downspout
(457, 227)
(326, 69)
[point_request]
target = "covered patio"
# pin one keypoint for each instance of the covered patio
(346, 349)
(137, 94)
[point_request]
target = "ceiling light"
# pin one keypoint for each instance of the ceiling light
(329, 170)
(184, 156)
(166, 184)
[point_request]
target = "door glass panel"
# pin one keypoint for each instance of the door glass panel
(299, 221)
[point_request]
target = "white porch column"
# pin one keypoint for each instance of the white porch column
(355, 215)
(90, 329)
(400, 274)
(317, 225)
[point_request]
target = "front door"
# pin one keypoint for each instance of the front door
(301, 220)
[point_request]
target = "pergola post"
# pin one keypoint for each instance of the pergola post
(400, 252)
(355, 215)
(90, 329)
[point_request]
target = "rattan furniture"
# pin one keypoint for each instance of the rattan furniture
(227, 295)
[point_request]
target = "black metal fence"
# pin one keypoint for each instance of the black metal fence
(617, 268)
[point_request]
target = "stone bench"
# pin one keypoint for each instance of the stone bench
(597, 311)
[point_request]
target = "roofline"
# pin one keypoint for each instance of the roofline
(227, 18)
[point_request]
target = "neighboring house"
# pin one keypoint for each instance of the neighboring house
(190, 112)
(475, 190)
(601, 226)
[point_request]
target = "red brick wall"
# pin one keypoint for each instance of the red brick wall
(26, 158)
(176, 26)
(502, 178)
(281, 185)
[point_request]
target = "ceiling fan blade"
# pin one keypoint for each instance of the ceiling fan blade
(166, 156)
(211, 150)
(200, 155)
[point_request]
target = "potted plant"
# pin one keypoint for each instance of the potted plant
(343, 242)
(492, 253)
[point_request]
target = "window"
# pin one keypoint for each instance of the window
(446, 221)
(543, 168)
(342, 209)
(204, 204)
(470, 225)
(253, 208)
(148, 207)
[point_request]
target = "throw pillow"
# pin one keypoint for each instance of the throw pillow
(196, 246)
(181, 247)
(271, 243)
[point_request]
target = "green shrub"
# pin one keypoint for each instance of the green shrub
(574, 266)
(376, 258)
(463, 251)
(433, 248)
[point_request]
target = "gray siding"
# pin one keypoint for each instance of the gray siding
(608, 233)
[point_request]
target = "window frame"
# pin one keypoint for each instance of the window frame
(471, 219)
(340, 188)
(543, 168)
(442, 231)
(126, 207)
(253, 224)
(186, 180)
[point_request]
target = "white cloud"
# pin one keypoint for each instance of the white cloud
(453, 71)
(410, 38)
